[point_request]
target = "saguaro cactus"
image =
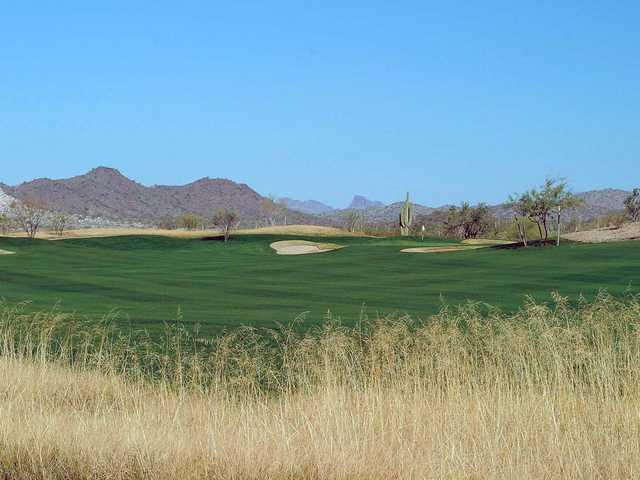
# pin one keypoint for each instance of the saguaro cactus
(406, 217)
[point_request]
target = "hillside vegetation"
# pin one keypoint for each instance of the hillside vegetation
(548, 392)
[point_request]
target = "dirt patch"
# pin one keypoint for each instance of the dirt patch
(629, 231)
(303, 247)
(6, 252)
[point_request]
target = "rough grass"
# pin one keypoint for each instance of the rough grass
(548, 392)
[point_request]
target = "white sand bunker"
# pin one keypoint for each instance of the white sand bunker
(456, 248)
(303, 247)
(6, 252)
(473, 244)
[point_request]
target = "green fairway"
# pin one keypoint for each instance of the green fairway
(148, 279)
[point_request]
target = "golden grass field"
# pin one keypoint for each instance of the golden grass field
(549, 392)
(313, 230)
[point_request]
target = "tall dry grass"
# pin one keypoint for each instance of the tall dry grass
(552, 391)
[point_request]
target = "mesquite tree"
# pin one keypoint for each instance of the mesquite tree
(467, 221)
(522, 206)
(353, 220)
(632, 205)
(225, 220)
(539, 205)
(59, 222)
(29, 215)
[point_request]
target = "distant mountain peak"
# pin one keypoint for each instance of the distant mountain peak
(312, 207)
(104, 171)
(360, 202)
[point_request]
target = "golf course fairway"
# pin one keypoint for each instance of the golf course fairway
(147, 280)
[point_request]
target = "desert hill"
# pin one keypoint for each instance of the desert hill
(105, 192)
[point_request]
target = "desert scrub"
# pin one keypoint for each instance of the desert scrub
(551, 391)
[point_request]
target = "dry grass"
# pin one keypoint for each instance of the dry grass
(629, 231)
(118, 232)
(312, 230)
(549, 392)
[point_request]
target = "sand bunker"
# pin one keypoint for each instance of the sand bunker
(302, 247)
(485, 241)
(471, 244)
(456, 248)
(6, 252)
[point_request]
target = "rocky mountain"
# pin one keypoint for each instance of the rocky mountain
(105, 192)
(602, 202)
(5, 200)
(362, 203)
(312, 207)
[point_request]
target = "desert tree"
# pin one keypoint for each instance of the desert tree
(189, 221)
(273, 208)
(167, 223)
(538, 205)
(353, 220)
(522, 206)
(29, 214)
(561, 200)
(226, 220)
(467, 221)
(58, 222)
(632, 205)
(5, 223)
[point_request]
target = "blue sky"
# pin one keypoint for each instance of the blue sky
(448, 100)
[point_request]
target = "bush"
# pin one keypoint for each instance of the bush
(167, 223)
(189, 221)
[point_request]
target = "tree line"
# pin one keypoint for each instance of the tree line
(29, 216)
(544, 208)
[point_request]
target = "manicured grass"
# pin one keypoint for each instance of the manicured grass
(149, 279)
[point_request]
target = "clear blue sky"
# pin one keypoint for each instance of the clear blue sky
(447, 100)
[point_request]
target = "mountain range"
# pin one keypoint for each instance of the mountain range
(105, 193)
